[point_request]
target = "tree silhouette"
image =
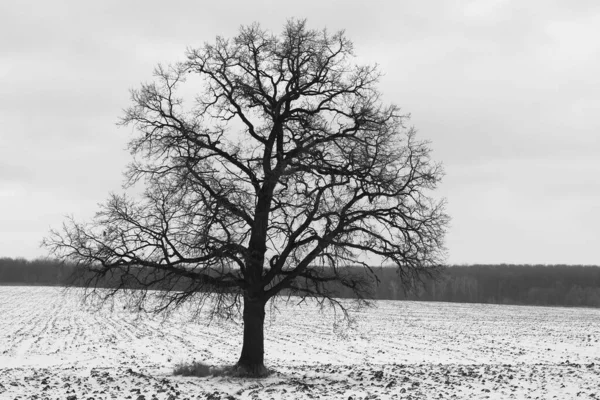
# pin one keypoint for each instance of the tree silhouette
(284, 169)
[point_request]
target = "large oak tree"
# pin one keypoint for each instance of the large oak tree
(270, 165)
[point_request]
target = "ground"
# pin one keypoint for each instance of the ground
(51, 347)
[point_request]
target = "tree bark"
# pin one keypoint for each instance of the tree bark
(251, 361)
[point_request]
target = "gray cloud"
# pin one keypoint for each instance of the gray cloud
(508, 93)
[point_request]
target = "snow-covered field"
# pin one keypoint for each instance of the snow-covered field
(51, 347)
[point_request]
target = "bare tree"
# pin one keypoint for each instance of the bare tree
(284, 170)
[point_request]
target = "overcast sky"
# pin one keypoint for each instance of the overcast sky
(508, 92)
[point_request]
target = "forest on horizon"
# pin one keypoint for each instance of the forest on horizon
(547, 285)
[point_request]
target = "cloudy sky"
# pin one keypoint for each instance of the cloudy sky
(507, 91)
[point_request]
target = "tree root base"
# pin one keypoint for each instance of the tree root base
(248, 371)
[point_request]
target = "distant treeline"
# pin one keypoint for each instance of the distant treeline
(41, 272)
(561, 285)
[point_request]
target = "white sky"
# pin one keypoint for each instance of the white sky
(507, 91)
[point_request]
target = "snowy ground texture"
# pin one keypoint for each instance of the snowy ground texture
(52, 348)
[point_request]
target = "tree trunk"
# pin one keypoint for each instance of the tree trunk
(251, 361)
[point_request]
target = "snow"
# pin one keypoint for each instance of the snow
(53, 347)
